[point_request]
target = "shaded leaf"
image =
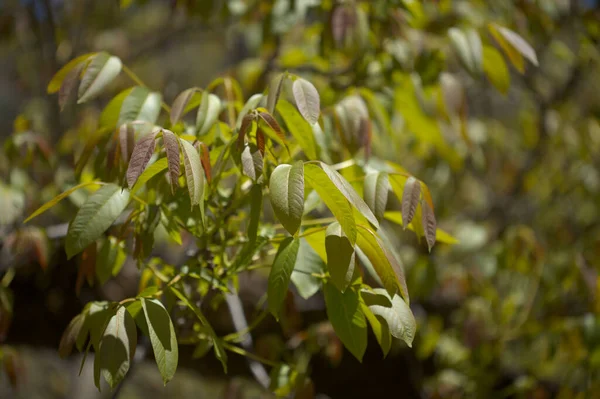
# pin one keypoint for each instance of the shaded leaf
(274, 92)
(193, 172)
(69, 85)
(252, 162)
(57, 80)
(171, 144)
(142, 152)
(281, 272)
(347, 319)
(162, 336)
(411, 196)
(70, 335)
(260, 141)
(126, 140)
(251, 104)
(286, 185)
(307, 263)
(380, 329)
(469, 49)
(117, 347)
(180, 104)
(100, 71)
(205, 160)
(149, 173)
(255, 211)
(429, 224)
(96, 215)
(340, 256)
(307, 100)
(376, 189)
(272, 124)
(57, 199)
(110, 259)
(246, 123)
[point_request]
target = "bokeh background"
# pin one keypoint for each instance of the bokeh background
(511, 310)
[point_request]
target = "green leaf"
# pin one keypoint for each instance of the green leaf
(180, 104)
(57, 199)
(172, 148)
(101, 70)
(110, 259)
(377, 187)
(96, 215)
(208, 112)
(347, 319)
(315, 237)
(218, 345)
(281, 272)
(495, 69)
(140, 105)
(514, 46)
(251, 104)
(70, 335)
(429, 224)
(340, 256)
(149, 173)
(469, 49)
(274, 92)
(255, 211)
(111, 113)
(411, 196)
(287, 195)
(384, 262)
(117, 347)
(252, 162)
(351, 195)
(307, 263)
(162, 337)
(440, 235)
(307, 100)
(194, 174)
(142, 152)
(399, 317)
(298, 128)
(380, 329)
(57, 80)
(332, 197)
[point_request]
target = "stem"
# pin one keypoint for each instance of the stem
(250, 355)
(236, 336)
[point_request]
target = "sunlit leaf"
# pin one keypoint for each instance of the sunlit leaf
(469, 49)
(208, 112)
(180, 104)
(495, 69)
(252, 162)
(95, 216)
(60, 76)
(307, 99)
(380, 328)
(117, 347)
(399, 317)
(514, 46)
(272, 124)
(162, 337)
(299, 128)
(140, 105)
(429, 224)
(151, 171)
(286, 185)
(69, 85)
(376, 189)
(307, 263)
(100, 71)
(251, 104)
(281, 272)
(440, 235)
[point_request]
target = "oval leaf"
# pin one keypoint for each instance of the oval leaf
(274, 92)
(299, 128)
(514, 46)
(142, 152)
(281, 272)
(172, 148)
(340, 256)
(307, 100)
(495, 69)
(140, 105)
(251, 104)
(377, 187)
(162, 336)
(117, 347)
(101, 70)
(429, 224)
(193, 172)
(272, 123)
(399, 317)
(410, 199)
(252, 162)
(208, 112)
(95, 216)
(180, 104)
(287, 195)
(57, 80)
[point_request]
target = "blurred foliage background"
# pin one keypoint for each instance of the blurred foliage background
(511, 310)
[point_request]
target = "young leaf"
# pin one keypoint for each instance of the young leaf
(307, 100)
(281, 272)
(440, 235)
(495, 69)
(411, 196)
(57, 199)
(101, 70)
(140, 105)
(272, 123)
(386, 265)
(172, 148)
(252, 162)
(180, 104)
(514, 46)
(274, 92)
(399, 317)
(142, 152)
(377, 187)
(340, 256)
(332, 197)
(347, 319)
(95, 216)
(69, 84)
(287, 195)
(205, 160)
(299, 128)
(208, 112)
(162, 337)
(57, 80)
(117, 347)
(260, 141)
(251, 104)
(193, 172)
(429, 224)
(126, 140)
(149, 173)
(246, 122)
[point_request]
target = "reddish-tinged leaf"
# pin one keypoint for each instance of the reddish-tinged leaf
(68, 85)
(410, 199)
(205, 160)
(172, 147)
(272, 123)
(429, 224)
(365, 133)
(260, 141)
(180, 103)
(126, 140)
(341, 20)
(12, 368)
(87, 268)
(246, 122)
(140, 157)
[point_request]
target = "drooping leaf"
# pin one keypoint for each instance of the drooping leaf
(514, 46)
(469, 48)
(126, 141)
(96, 215)
(340, 256)
(205, 160)
(110, 259)
(307, 263)
(307, 99)
(386, 265)
(274, 92)
(342, 20)
(299, 128)
(429, 224)
(380, 329)
(440, 235)
(251, 104)
(286, 185)
(252, 162)
(162, 337)
(57, 199)
(142, 152)
(171, 144)
(399, 317)
(111, 113)
(180, 104)
(377, 187)
(332, 197)
(57, 80)
(272, 124)
(193, 172)
(260, 141)
(281, 272)
(411, 196)
(100, 71)
(246, 123)
(70, 335)
(117, 347)
(495, 69)
(151, 171)
(347, 319)
(69, 84)
(140, 105)
(208, 112)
